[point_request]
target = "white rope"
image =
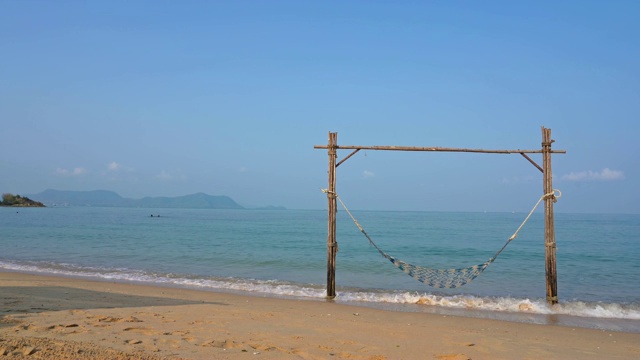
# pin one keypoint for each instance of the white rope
(552, 194)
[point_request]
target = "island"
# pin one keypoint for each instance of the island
(19, 201)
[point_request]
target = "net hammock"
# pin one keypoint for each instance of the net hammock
(444, 278)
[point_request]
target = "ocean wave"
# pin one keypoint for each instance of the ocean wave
(502, 304)
(383, 298)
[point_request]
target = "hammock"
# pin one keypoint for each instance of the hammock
(445, 278)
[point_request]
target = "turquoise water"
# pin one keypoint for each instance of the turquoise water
(283, 253)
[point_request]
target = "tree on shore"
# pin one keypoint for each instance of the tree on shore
(17, 200)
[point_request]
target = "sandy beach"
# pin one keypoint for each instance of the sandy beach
(45, 317)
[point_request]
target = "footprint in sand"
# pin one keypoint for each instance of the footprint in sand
(142, 330)
(71, 328)
(111, 319)
(178, 332)
(190, 339)
(222, 344)
(263, 347)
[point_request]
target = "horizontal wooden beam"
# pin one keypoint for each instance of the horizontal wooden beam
(441, 149)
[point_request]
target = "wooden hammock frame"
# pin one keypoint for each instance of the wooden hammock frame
(547, 186)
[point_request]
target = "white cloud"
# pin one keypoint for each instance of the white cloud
(605, 175)
(75, 172)
(164, 175)
(368, 174)
(114, 166)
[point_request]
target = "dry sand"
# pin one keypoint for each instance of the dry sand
(60, 318)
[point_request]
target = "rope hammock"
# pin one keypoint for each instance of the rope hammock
(445, 278)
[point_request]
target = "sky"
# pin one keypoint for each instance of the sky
(169, 98)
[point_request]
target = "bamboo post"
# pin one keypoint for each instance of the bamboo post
(332, 245)
(549, 226)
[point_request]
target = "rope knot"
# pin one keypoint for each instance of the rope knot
(330, 194)
(552, 195)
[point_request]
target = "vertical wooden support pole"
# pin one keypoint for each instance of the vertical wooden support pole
(332, 245)
(549, 226)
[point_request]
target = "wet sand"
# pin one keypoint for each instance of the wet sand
(45, 317)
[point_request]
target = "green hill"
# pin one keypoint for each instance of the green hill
(19, 201)
(106, 198)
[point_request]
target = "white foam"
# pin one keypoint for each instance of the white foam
(502, 304)
(278, 288)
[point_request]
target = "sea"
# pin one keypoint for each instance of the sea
(283, 253)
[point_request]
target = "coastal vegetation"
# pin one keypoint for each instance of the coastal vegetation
(19, 201)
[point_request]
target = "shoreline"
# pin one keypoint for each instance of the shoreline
(170, 322)
(496, 308)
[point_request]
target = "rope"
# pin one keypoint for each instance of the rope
(444, 278)
(551, 195)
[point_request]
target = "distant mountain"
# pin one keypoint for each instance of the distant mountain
(110, 198)
(194, 201)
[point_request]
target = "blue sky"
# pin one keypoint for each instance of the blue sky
(168, 98)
